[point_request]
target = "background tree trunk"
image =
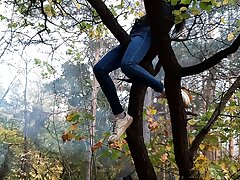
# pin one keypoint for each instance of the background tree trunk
(91, 165)
(4, 169)
(25, 157)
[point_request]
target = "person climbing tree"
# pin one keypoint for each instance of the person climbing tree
(128, 59)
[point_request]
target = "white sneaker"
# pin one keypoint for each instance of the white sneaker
(119, 127)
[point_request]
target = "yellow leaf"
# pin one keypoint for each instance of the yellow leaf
(225, 2)
(73, 127)
(78, 5)
(230, 36)
(201, 146)
(47, 9)
(72, 116)
(183, 9)
(153, 111)
(141, 13)
(222, 20)
(70, 136)
(218, 4)
(201, 170)
(168, 148)
(150, 120)
(191, 122)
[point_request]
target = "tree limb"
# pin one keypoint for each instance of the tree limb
(160, 25)
(212, 61)
(110, 21)
(201, 135)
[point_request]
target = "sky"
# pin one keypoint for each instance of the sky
(11, 62)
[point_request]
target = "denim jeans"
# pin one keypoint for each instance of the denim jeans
(127, 59)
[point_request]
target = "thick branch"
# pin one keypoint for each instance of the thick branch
(212, 61)
(160, 24)
(110, 21)
(201, 135)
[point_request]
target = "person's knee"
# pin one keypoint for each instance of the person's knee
(127, 69)
(98, 69)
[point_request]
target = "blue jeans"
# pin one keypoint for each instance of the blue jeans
(128, 59)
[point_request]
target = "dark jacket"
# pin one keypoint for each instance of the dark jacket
(144, 21)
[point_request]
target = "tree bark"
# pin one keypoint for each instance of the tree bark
(4, 169)
(160, 26)
(135, 138)
(92, 129)
(231, 146)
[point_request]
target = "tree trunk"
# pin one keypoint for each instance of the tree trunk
(135, 138)
(147, 103)
(90, 171)
(239, 148)
(209, 95)
(4, 169)
(231, 147)
(25, 158)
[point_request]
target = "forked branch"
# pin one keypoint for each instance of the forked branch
(212, 61)
(201, 135)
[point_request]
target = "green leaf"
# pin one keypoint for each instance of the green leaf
(212, 139)
(192, 122)
(174, 2)
(185, 16)
(186, 1)
(12, 25)
(176, 12)
(233, 169)
(37, 61)
(238, 23)
(183, 9)
(206, 5)
(195, 11)
(2, 17)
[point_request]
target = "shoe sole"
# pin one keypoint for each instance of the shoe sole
(121, 133)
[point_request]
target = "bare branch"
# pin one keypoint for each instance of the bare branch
(110, 21)
(212, 61)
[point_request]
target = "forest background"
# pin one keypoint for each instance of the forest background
(55, 119)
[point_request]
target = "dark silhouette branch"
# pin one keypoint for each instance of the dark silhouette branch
(212, 61)
(201, 135)
(160, 25)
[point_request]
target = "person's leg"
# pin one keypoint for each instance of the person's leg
(108, 63)
(111, 61)
(137, 49)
